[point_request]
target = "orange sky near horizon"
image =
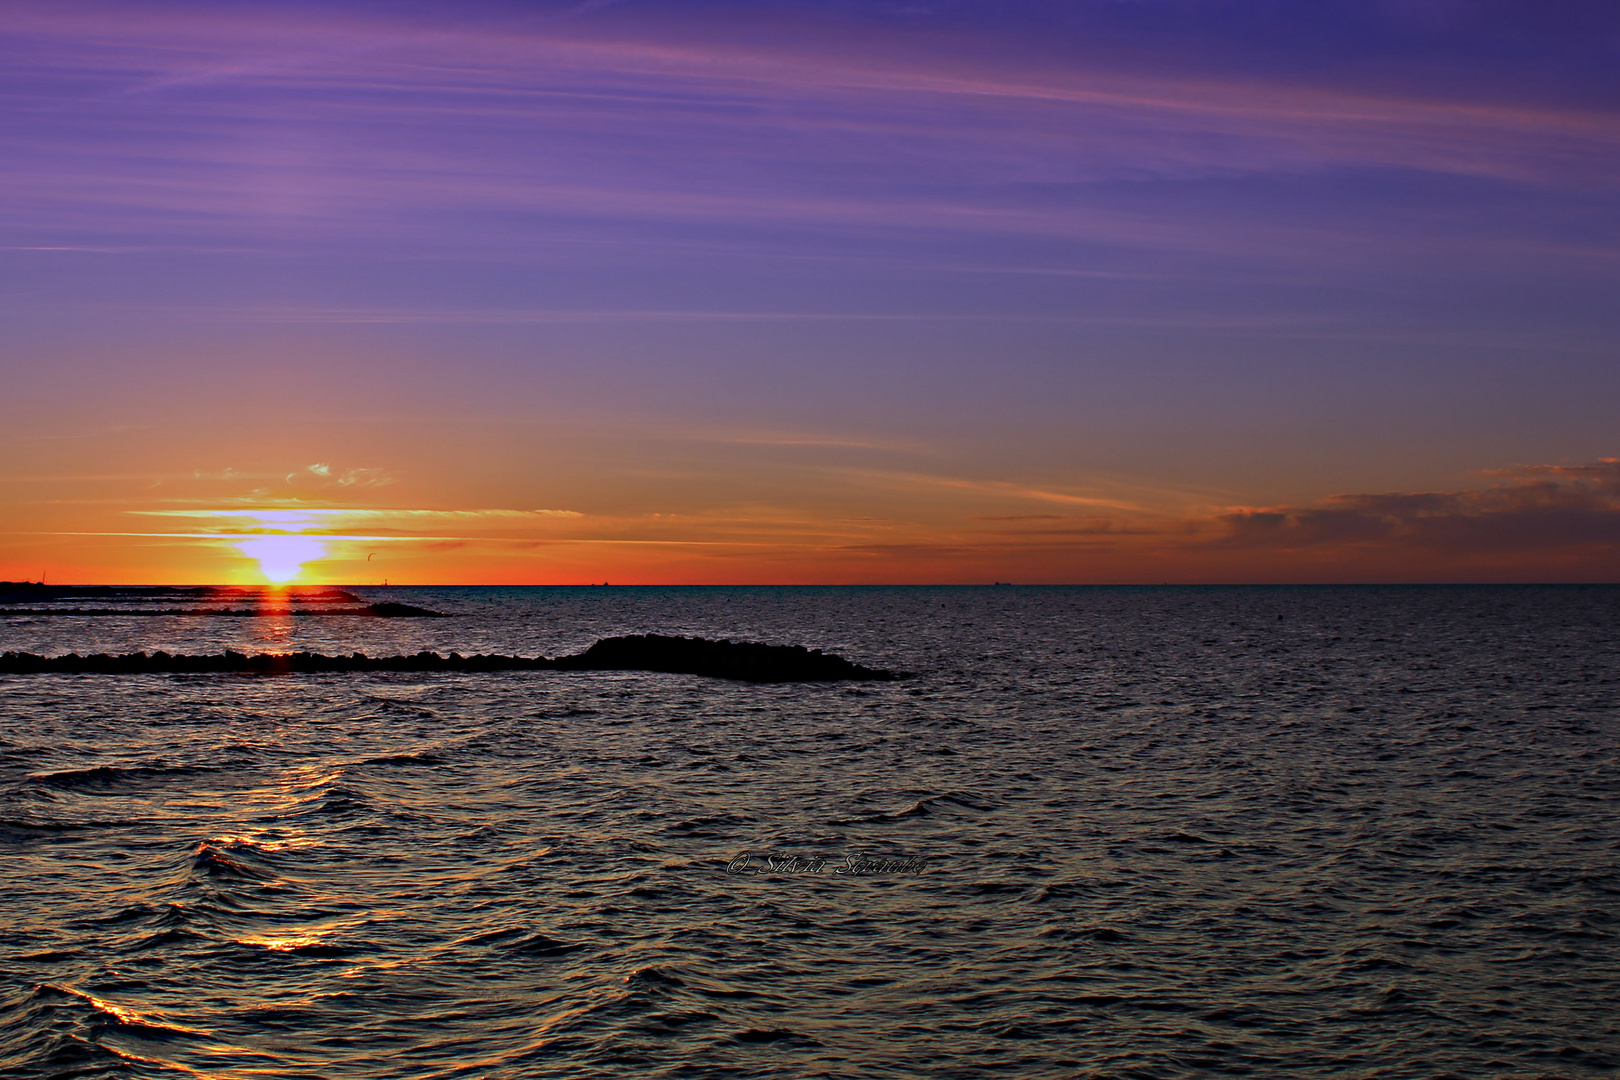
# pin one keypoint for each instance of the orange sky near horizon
(325, 525)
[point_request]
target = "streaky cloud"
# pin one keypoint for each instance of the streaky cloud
(406, 131)
(1540, 508)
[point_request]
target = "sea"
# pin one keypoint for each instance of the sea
(1101, 832)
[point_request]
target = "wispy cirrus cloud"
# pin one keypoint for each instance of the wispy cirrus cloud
(344, 478)
(225, 126)
(334, 520)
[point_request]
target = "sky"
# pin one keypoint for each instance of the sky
(844, 291)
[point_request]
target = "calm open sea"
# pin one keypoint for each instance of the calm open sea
(1103, 832)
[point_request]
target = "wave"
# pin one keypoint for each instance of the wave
(700, 826)
(116, 779)
(653, 976)
(55, 1030)
(231, 860)
(926, 806)
(64, 1022)
(331, 800)
(44, 1034)
(421, 757)
(307, 945)
(24, 827)
(544, 945)
(771, 1035)
(522, 940)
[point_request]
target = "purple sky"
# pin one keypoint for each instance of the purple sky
(848, 291)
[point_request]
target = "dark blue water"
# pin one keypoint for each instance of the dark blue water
(1104, 832)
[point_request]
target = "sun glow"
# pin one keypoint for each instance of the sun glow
(281, 558)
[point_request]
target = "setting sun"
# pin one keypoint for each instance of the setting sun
(281, 558)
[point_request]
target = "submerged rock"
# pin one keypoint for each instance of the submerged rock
(388, 609)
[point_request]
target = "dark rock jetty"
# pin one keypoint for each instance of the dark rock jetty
(740, 660)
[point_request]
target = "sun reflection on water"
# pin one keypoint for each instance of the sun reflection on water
(283, 944)
(274, 626)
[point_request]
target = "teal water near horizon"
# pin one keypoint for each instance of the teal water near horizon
(1118, 831)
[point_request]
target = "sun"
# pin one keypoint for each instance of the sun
(281, 558)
